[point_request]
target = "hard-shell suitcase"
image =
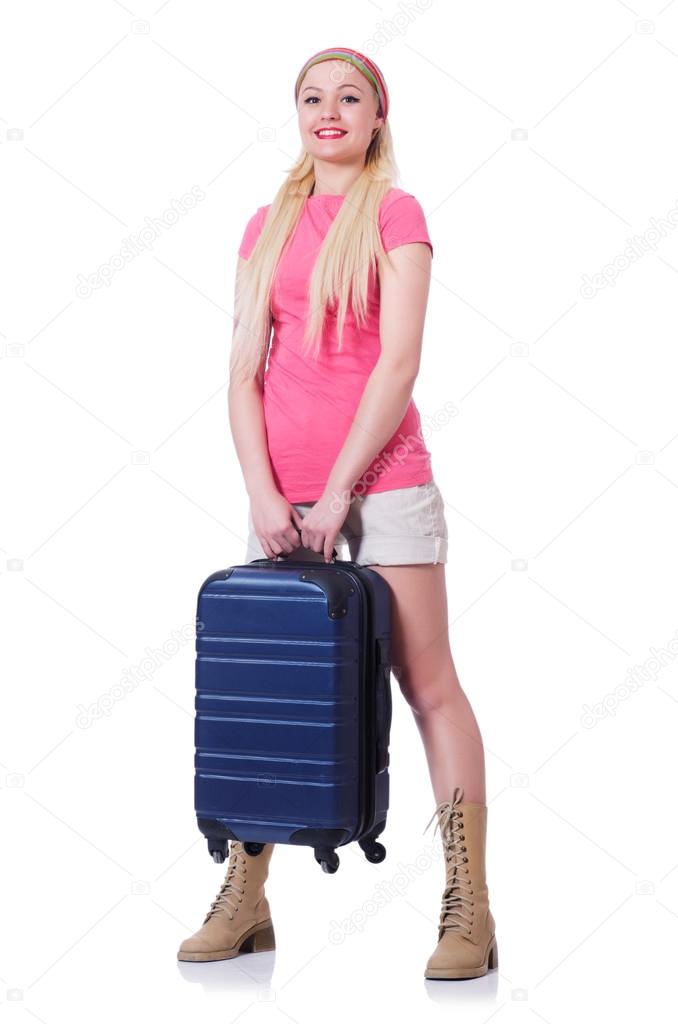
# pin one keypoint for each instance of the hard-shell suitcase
(293, 707)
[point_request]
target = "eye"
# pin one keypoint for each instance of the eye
(348, 96)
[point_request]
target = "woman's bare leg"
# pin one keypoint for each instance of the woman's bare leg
(424, 668)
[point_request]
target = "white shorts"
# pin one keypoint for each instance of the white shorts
(404, 526)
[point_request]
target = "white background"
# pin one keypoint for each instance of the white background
(539, 138)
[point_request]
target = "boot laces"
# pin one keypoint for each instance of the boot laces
(231, 892)
(457, 913)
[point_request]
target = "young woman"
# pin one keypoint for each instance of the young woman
(329, 441)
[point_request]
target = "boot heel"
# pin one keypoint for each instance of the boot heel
(261, 941)
(493, 957)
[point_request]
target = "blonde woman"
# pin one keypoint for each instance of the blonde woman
(330, 444)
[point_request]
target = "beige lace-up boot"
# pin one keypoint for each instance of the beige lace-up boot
(239, 920)
(467, 946)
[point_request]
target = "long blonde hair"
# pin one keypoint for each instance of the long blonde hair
(341, 269)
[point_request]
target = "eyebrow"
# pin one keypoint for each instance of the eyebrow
(347, 85)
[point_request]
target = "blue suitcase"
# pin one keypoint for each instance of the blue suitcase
(293, 707)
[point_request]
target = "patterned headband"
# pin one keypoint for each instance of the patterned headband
(366, 67)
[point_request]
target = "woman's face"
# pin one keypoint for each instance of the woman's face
(334, 94)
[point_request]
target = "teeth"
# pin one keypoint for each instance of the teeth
(329, 132)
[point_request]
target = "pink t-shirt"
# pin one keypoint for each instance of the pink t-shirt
(310, 404)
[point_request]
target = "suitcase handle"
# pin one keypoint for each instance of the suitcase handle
(384, 710)
(284, 554)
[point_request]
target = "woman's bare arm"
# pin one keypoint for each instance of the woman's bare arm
(404, 288)
(246, 418)
(275, 519)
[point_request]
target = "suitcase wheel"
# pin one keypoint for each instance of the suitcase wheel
(328, 860)
(253, 849)
(375, 852)
(218, 849)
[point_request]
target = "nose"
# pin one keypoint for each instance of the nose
(331, 109)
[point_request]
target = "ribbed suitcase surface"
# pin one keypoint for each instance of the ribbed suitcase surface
(293, 706)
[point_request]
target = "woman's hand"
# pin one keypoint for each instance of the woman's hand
(322, 523)
(276, 524)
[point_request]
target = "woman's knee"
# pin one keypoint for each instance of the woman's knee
(428, 693)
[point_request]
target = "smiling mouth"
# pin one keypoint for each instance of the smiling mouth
(329, 133)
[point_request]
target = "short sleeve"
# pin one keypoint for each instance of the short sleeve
(402, 221)
(252, 232)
